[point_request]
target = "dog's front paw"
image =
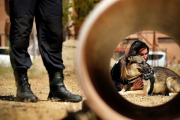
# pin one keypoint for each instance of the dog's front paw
(173, 94)
(121, 93)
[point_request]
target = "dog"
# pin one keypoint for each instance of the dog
(165, 81)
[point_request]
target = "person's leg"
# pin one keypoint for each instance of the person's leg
(50, 36)
(21, 16)
(117, 85)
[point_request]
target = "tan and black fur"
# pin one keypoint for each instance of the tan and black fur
(166, 81)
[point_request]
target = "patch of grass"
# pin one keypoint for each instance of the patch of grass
(66, 74)
(34, 72)
(6, 72)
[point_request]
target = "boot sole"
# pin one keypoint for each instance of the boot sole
(55, 99)
(25, 100)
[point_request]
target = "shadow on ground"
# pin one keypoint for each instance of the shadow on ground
(85, 114)
(8, 98)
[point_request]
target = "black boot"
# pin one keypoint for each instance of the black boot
(24, 92)
(58, 91)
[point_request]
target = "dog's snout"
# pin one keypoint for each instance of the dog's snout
(147, 70)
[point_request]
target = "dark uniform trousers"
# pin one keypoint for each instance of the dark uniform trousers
(48, 16)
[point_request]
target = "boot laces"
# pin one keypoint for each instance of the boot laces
(25, 87)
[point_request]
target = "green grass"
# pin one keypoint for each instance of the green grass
(34, 72)
(6, 72)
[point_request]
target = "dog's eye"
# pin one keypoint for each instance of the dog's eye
(133, 62)
(141, 63)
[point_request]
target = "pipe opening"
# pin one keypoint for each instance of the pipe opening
(163, 48)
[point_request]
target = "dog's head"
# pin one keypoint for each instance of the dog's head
(136, 66)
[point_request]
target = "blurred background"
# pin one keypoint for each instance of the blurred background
(164, 51)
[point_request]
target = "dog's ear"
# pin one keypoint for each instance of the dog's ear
(130, 58)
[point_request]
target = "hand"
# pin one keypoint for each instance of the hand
(138, 84)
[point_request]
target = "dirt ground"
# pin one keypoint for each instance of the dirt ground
(10, 109)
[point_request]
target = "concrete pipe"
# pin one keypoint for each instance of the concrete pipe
(109, 23)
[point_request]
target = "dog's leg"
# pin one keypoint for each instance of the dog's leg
(173, 85)
(124, 89)
(173, 94)
(144, 91)
(137, 92)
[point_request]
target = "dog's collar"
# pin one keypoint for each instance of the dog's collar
(152, 81)
(130, 82)
(133, 80)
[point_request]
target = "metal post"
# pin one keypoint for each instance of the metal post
(34, 41)
(139, 37)
(155, 57)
